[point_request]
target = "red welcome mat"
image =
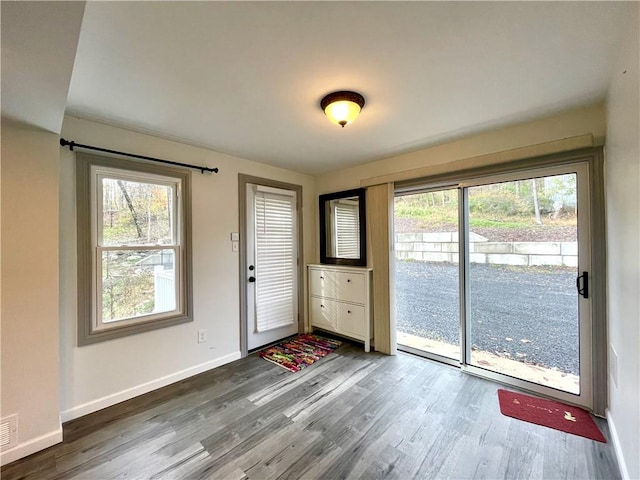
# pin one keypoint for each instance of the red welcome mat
(549, 413)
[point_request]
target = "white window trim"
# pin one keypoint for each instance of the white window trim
(90, 168)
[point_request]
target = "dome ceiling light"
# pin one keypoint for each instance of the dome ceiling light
(342, 108)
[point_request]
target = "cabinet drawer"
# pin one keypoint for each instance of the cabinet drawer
(322, 283)
(350, 287)
(323, 313)
(351, 320)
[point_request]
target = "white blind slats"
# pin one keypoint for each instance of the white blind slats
(347, 231)
(275, 260)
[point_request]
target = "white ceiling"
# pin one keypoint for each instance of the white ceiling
(37, 60)
(246, 78)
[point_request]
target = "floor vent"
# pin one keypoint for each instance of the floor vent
(9, 432)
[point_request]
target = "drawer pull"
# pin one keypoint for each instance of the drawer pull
(348, 280)
(348, 311)
(321, 277)
(321, 306)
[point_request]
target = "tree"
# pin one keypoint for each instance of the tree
(536, 207)
(131, 208)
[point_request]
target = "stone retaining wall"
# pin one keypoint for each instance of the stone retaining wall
(443, 247)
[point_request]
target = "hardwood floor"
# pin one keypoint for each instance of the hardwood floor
(351, 415)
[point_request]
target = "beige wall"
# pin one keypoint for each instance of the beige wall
(622, 173)
(98, 375)
(562, 125)
(30, 286)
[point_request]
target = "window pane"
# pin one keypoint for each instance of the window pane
(523, 306)
(427, 284)
(137, 283)
(135, 213)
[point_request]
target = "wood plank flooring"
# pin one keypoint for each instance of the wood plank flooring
(351, 415)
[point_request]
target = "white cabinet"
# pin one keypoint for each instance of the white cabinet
(323, 313)
(340, 301)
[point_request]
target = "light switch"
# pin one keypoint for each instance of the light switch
(235, 237)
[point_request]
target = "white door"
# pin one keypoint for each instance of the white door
(272, 271)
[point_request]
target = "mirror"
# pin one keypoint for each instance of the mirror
(343, 239)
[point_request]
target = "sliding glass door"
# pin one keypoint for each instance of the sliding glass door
(427, 253)
(493, 275)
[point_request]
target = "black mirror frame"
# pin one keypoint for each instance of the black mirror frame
(354, 262)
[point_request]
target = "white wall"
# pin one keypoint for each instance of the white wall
(30, 286)
(98, 375)
(622, 173)
(555, 127)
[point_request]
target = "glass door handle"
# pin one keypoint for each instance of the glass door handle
(252, 279)
(582, 284)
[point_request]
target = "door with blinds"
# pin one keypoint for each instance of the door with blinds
(272, 276)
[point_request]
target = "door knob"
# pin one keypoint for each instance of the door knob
(252, 279)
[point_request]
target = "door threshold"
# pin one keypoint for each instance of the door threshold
(429, 356)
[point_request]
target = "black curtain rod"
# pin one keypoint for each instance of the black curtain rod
(72, 145)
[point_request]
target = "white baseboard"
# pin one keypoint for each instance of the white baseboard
(129, 393)
(616, 447)
(32, 446)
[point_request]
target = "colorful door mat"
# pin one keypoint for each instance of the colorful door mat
(299, 352)
(549, 413)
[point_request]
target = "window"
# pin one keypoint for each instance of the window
(347, 228)
(133, 247)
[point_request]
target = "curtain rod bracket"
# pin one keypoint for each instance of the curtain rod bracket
(65, 143)
(71, 144)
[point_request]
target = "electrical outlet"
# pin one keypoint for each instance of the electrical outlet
(202, 336)
(234, 246)
(613, 365)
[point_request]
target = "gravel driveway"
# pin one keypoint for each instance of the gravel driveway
(521, 313)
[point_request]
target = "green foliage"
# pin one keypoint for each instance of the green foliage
(545, 202)
(434, 207)
(500, 204)
(135, 212)
(127, 288)
(486, 222)
(434, 214)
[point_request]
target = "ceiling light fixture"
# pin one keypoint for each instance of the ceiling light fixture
(343, 107)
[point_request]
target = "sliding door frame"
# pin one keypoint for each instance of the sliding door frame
(585, 341)
(593, 158)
